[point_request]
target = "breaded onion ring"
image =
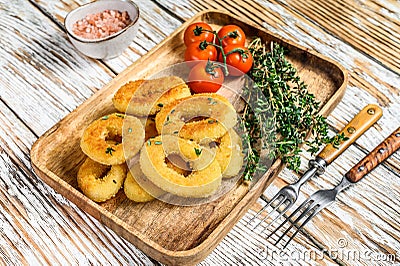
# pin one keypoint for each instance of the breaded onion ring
(200, 116)
(149, 124)
(101, 140)
(134, 191)
(229, 153)
(147, 97)
(100, 182)
(202, 181)
(140, 189)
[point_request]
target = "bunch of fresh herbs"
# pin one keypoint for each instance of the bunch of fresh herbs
(280, 111)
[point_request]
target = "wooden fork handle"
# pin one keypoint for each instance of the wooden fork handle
(354, 129)
(375, 157)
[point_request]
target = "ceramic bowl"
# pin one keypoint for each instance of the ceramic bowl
(110, 46)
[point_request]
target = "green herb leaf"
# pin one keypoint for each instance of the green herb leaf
(284, 111)
(198, 151)
(109, 150)
(212, 101)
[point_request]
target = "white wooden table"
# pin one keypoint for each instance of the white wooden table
(42, 78)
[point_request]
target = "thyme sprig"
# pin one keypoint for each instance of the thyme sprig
(282, 112)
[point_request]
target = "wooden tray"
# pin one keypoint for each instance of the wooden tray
(167, 233)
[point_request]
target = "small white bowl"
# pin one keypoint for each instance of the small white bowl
(110, 46)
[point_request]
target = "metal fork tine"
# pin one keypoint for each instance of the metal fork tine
(304, 223)
(304, 213)
(265, 207)
(279, 216)
(289, 217)
(274, 209)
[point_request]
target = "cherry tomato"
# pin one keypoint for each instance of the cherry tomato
(231, 34)
(200, 50)
(238, 59)
(195, 32)
(206, 76)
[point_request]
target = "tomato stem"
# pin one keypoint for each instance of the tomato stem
(233, 34)
(198, 30)
(210, 68)
(241, 51)
(219, 46)
(203, 45)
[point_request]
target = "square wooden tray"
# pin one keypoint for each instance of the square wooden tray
(167, 233)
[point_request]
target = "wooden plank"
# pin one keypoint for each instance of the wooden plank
(39, 225)
(154, 26)
(248, 248)
(369, 26)
(356, 93)
(40, 128)
(44, 78)
(41, 97)
(199, 227)
(369, 83)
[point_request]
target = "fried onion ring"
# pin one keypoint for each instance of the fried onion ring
(202, 181)
(101, 140)
(147, 97)
(100, 182)
(149, 127)
(200, 116)
(133, 190)
(229, 153)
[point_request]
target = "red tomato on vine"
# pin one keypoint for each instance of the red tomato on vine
(200, 50)
(231, 34)
(206, 76)
(238, 59)
(198, 31)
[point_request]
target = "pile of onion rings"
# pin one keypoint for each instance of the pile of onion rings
(183, 144)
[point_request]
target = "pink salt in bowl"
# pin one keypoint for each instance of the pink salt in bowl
(102, 46)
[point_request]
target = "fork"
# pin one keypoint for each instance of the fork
(323, 198)
(288, 195)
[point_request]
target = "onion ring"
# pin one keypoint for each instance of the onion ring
(133, 190)
(100, 182)
(147, 97)
(149, 127)
(202, 181)
(101, 140)
(200, 116)
(229, 153)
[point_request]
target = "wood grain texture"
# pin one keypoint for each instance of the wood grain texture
(35, 61)
(352, 131)
(367, 215)
(369, 82)
(154, 26)
(45, 228)
(372, 27)
(151, 226)
(366, 86)
(390, 145)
